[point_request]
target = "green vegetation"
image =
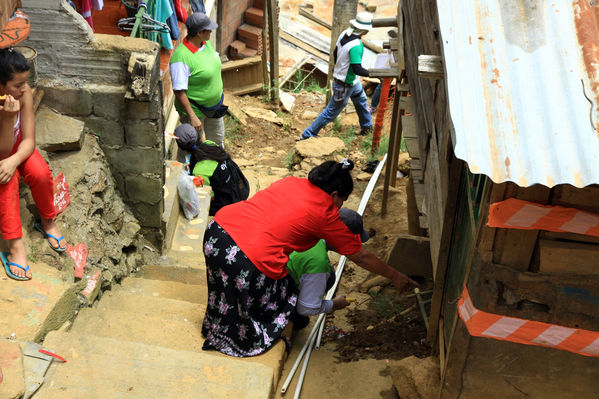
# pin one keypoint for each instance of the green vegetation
(385, 305)
(234, 133)
(288, 159)
(302, 81)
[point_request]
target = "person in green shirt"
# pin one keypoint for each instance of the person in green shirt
(346, 84)
(215, 166)
(312, 272)
(195, 69)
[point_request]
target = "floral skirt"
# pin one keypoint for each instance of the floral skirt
(247, 311)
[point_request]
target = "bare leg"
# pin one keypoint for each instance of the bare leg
(18, 255)
(49, 226)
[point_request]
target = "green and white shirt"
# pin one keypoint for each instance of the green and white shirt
(198, 72)
(349, 50)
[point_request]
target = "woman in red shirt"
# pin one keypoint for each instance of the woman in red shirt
(247, 246)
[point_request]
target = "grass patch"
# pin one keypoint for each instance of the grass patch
(386, 306)
(288, 159)
(302, 82)
(234, 133)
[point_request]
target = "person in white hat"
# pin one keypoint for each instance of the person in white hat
(348, 66)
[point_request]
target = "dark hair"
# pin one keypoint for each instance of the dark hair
(332, 176)
(202, 151)
(11, 62)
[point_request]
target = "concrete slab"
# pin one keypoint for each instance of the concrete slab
(151, 329)
(171, 201)
(12, 377)
(146, 306)
(31, 308)
(185, 275)
(133, 370)
(189, 234)
(55, 132)
(193, 259)
(166, 289)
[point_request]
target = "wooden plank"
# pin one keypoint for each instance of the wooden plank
(580, 198)
(234, 108)
(550, 235)
(252, 88)
(485, 245)
(410, 126)
(390, 22)
(38, 95)
(393, 143)
(264, 55)
(513, 247)
(273, 47)
(304, 46)
(305, 13)
(423, 222)
(413, 147)
(392, 72)
(239, 64)
(417, 175)
(416, 163)
(412, 210)
(407, 104)
(568, 257)
(419, 195)
(430, 66)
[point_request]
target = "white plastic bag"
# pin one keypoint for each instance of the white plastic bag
(188, 197)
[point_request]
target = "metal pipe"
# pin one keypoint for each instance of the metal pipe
(384, 22)
(301, 354)
(300, 381)
(421, 306)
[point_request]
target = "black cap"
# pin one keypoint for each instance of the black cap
(353, 220)
(198, 22)
(187, 136)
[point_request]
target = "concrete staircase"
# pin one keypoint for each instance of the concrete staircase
(143, 339)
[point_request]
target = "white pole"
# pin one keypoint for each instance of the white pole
(300, 381)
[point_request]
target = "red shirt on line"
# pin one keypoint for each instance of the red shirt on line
(290, 215)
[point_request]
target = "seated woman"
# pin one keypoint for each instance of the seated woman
(18, 157)
(215, 166)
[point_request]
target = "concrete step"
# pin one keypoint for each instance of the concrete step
(31, 308)
(166, 289)
(171, 200)
(145, 306)
(185, 275)
(150, 329)
(162, 330)
(193, 259)
(100, 367)
(189, 234)
(49, 122)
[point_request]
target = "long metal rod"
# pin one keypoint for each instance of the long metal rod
(300, 381)
(301, 354)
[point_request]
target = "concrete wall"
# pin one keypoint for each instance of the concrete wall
(112, 84)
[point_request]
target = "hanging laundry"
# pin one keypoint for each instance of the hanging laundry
(85, 9)
(172, 22)
(162, 12)
(198, 6)
(180, 11)
(98, 4)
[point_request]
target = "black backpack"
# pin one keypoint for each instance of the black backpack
(229, 185)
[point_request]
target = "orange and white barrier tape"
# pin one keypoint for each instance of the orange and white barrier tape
(518, 214)
(504, 328)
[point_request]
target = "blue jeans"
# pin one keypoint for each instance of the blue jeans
(334, 108)
(376, 96)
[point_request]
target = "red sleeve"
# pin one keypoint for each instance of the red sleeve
(338, 235)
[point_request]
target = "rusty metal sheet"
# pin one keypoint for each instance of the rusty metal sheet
(523, 83)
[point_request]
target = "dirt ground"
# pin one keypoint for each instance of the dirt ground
(372, 329)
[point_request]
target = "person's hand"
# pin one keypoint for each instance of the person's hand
(402, 282)
(339, 302)
(7, 169)
(10, 105)
(196, 122)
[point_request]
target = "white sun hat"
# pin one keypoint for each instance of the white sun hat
(363, 21)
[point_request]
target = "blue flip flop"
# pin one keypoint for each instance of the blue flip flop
(7, 264)
(39, 227)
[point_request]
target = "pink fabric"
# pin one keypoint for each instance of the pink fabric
(85, 8)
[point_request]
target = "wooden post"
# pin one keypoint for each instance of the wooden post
(219, 31)
(265, 73)
(394, 142)
(343, 12)
(273, 48)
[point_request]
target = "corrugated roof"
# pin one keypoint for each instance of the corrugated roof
(523, 83)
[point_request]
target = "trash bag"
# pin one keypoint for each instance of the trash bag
(188, 197)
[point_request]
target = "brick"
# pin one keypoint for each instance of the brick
(144, 188)
(143, 109)
(250, 35)
(236, 47)
(109, 132)
(254, 16)
(74, 101)
(135, 160)
(109, 101)
(144, 133)
(248, 52)
(149, 215)
(258, 4)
